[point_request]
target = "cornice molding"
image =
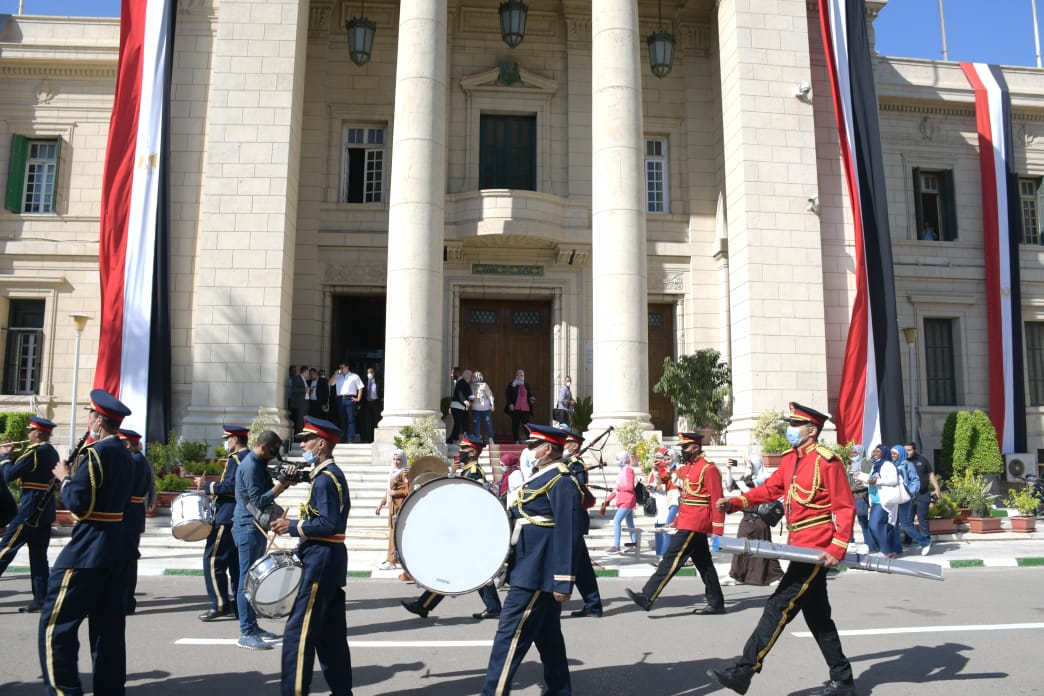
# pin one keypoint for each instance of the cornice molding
(75, 71)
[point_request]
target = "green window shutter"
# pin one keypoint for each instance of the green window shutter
(16, 173)
(949, 205)
(918, 209)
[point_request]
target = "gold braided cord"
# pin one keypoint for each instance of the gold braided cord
(795, 491)
(31, 449)
(91, 457)
(337, 486)
(688, 488)
(529, 495)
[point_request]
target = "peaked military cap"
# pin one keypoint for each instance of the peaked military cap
(108, 405)
(320, 428)
(545, 433)
(41, 424)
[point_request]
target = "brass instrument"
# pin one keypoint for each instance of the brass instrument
(34, 519)
(20, 444)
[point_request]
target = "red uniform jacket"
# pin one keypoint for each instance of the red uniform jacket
(699, 482)
(816, 495)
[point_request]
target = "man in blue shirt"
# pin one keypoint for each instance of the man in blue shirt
(254, 493)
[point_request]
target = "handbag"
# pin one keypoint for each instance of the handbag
(770, 513)
(561, 415)
(649, 506)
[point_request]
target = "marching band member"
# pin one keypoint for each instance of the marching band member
(586, 580)
(547, 528)
(700, 484)
(220, 558)
(32, 522)
(470, 449)
(317, 625)
(820, 511)
(143, 495)
(89, 576)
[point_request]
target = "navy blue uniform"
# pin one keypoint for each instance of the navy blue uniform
(87, 581)
(220, 557)
(586, 580)
(33, 468)
(545, 561)
(317, 624)
(143, 491)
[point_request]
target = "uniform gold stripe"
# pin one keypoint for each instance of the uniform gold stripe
(212, 566)
(431, 597)
(783, 616)
(14, 539)
(502, 682)
(49, 639)
(302, 640)
(678, 558)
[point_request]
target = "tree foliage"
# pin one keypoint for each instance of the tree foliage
(975, 448)
(698, 386)
(419, 439)
(944, 467)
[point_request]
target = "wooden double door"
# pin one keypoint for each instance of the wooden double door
(498, 337)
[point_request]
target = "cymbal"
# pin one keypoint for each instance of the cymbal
(431, 464)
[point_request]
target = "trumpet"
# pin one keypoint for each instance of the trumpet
(15, 445)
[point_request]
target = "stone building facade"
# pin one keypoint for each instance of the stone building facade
(564, 211)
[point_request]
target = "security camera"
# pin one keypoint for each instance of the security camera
(803, 90)
(813, 204)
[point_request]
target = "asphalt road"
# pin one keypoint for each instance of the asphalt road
(976, 632)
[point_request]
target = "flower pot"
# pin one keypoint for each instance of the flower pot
(1021, 523)
(962, 515)
(984, 525)
(942, 525)
(771, 460)
(164, 499)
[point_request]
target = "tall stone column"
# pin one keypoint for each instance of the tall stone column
(774, 243)
(620, 329)
(413, 335)
(238, 323)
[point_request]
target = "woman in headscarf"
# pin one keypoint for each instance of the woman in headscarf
(752, 570)
(511, 477)
(398, 489)
(883, 474)
(904, 523)
(626, 501)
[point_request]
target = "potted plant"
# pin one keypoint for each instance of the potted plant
(770, 432)
(1025, 501)
(961, 489)
(981, 501)
(942, 516)
(698, 386)
(170, 487)
(420, 438)
(583, 410)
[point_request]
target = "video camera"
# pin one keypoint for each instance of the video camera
(284, 472)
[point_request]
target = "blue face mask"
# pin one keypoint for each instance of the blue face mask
(793, 434)
(309, 457)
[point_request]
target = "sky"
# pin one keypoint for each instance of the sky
(986, 31)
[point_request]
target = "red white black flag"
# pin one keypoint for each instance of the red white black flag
(870, 400)
(134, 346)
(1000, 241)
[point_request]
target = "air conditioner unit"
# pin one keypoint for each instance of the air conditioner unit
(1019, 464)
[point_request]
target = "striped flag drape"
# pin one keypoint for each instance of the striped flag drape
(134, 346)
(1000, 240)
(870, 402)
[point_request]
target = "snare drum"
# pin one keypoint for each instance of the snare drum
(191, 516)
(452, 535)
(272, 582)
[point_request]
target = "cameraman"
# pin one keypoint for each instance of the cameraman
(254, 493)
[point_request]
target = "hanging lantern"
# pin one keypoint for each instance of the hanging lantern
(513, 21)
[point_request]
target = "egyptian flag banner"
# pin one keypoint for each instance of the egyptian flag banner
(133, 251)
(1000, 241)
(870, 400)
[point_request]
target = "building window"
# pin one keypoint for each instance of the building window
(507, 152)
(32, 174)
(365, 158)
(1035, 361)
(656, 175)
(1029, 205)
(935, 205)
(25, 319)
(940, 362)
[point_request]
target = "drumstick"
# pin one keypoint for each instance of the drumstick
(272, 540)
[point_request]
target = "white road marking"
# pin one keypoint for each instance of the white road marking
(362, 643)
(932, 629)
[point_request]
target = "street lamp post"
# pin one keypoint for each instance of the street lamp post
(80, 323)
(910, 335)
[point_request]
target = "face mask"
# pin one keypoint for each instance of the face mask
(687, 455)
(793, 435)
(568, 383)
(309, 457)
(465, 457)
(369, 375)
(95, 435)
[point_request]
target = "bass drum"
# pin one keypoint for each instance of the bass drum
(452, 535)
(191, 516)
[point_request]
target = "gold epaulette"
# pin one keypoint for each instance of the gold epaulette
(826, 453)
(563, 468)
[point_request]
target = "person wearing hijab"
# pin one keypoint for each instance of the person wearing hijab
(905, 512)
(626, 501)
(882, 474)
(752, 570)
(511, 477)
(398, 489)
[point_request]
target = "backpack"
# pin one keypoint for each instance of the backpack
(909, 475)
(641, 493)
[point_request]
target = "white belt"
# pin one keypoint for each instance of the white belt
(521, 522)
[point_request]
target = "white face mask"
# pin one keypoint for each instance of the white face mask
(369, 375)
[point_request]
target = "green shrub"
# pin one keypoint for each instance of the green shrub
(14, 425)
(770, 431)
(583, 410)
(775, 444)
(975, 447)
(942, 508)
(199, 468)
(165, 457)
(698, 386)
(630, 434)
(194, 451)
(419, 439)
(172, 483)
(944, 467)
(1024, 500)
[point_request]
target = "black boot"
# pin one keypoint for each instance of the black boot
(845, 687)
(736, 677)
(415, 608)
(640, 599)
